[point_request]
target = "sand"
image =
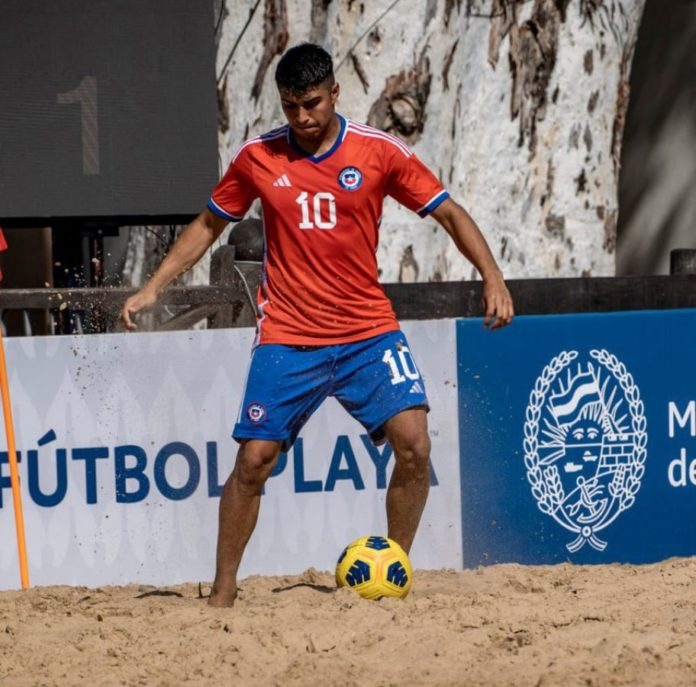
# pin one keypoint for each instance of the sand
(499, 625)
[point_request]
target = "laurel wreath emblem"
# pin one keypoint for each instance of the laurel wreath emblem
(546, 484)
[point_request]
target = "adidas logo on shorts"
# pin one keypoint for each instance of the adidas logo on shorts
(416, 388)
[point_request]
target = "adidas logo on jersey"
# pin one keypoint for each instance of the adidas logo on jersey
(417, 388)
(282, 181)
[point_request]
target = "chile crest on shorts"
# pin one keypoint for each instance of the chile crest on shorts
(350, 178)
(256, 412)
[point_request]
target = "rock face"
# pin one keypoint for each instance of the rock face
(517, 106)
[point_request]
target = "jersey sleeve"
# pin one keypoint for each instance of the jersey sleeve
(235, 192)
(412, 184)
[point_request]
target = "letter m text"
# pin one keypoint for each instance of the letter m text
(688, 417)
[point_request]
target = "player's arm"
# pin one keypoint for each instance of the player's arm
(468, 238)
(186, 251)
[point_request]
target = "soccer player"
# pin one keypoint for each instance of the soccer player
(325, 326)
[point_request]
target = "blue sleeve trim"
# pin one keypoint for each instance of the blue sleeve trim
(433, 204)
(217, 210)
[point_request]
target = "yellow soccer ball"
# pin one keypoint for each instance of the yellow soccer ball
(375, 567)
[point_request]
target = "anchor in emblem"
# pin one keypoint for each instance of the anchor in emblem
(588, 489)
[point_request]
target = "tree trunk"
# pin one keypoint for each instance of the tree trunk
(658, 176)
(517, 106)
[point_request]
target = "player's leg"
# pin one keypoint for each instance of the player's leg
(239, 511)
(284, 386)
(407, 433)
(379, 384)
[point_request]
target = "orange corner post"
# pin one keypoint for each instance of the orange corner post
(14, 472)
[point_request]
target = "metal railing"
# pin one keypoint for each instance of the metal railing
(229, 301)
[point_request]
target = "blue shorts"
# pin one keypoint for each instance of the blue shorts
(373, 380)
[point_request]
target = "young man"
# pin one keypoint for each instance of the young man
(326, 327)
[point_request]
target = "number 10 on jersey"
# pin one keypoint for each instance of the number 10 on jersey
(312, 212)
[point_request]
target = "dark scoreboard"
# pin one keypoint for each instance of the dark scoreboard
(107, 110)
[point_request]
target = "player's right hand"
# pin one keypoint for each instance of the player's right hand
(497, 303)
(139, 301)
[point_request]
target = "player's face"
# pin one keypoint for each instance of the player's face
(311, 113)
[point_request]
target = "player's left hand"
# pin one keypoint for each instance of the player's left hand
(497, 303)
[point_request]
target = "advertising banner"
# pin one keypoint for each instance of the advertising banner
(578, 438)
(125, 445)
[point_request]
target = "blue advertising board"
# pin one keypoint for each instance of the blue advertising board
(578, 438)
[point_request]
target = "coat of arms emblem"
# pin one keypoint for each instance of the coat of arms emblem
(585, 438)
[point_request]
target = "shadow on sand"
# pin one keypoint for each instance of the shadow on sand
(316, 587)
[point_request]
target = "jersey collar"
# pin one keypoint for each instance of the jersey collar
(328, 153)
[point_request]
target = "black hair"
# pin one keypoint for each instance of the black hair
(303, 67)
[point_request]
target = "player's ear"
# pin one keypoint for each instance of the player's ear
(335, 91)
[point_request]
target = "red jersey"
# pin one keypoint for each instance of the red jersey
(321, 217)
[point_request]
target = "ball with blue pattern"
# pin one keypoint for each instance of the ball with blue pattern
(374, 567)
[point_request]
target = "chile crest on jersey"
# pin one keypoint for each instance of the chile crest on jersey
(350, 178)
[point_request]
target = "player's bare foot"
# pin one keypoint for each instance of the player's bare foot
(222, 598)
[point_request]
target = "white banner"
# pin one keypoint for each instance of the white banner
(125, 444)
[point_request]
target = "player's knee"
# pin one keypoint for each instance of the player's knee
(255, 463)
(412, 452)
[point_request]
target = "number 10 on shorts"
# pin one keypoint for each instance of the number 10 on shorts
(400, 365)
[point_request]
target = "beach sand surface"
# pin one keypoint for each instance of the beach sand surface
(499, 625)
